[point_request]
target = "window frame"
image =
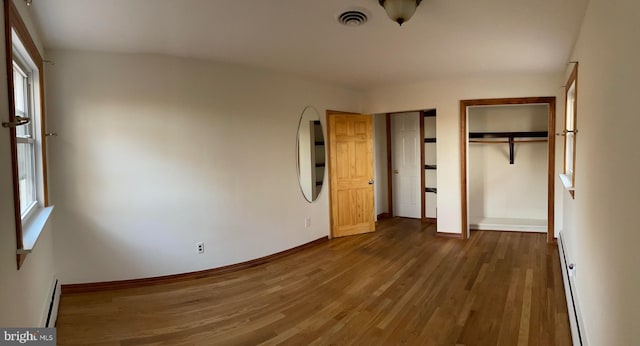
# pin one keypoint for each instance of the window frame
(40, 213)
(570, 134)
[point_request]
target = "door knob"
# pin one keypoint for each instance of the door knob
(371, 182)
(395, 171)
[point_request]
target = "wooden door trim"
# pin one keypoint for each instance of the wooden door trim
(464, 223)
(423, 217)
(551, 103)
(423, 199)
(389, 168)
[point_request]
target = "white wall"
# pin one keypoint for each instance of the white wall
(157, 153)
(601, 225)
(380, 164)
(445, 96)
(498, 189)
(25, 292)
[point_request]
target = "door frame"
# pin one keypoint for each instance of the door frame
(551, 104)
(423, 217)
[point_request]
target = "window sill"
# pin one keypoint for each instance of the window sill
(566, 181)
(33, 228)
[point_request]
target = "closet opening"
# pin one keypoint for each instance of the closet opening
(507, 165)
(406, 165)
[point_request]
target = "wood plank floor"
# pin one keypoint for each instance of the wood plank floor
(399, 285)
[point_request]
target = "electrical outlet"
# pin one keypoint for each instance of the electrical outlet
(200, 247)
(307, 222)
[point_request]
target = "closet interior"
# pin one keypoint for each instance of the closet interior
(507, 167)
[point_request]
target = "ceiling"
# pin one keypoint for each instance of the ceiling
(444, 39)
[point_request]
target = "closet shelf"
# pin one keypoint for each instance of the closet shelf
(510, 136)
(431, 189)
(430, 167)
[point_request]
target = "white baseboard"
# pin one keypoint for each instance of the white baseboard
(575, 319)
(50, 314)
(505, 224)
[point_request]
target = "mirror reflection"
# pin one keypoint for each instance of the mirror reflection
(311, 154)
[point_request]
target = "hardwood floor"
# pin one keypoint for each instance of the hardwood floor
(399, 285)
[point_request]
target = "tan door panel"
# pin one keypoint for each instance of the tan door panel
(351, 173)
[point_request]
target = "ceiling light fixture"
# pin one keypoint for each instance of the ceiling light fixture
(400, 11)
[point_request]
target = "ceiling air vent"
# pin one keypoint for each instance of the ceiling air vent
(352, 18)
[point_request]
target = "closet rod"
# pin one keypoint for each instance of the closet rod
(514, 141)
(510, 135)
(531, 134)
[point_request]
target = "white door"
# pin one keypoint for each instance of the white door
(405, 154)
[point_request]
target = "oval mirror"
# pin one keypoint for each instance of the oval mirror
(311, 156)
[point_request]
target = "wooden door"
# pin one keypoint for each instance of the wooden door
(351, 173)
(406, 165)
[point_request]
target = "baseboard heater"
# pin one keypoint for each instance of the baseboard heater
(51, 313)
(575, 321)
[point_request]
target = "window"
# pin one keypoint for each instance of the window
(571, 96)
(23, 103)
(26, 123)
